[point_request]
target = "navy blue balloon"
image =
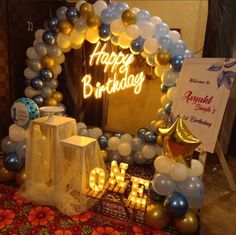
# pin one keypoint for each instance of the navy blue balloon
(49, 37)
(176, 205)
(37, 83)
(153, 195)
(114, 155)
(104, 32)
(137, 45)
(47, 74)
(103, 140)
(12, 162)
(53, 24)
(129, 160)
(39, 100)
(141, 133)
(27, 82)
(164, 88)
(150, 137)
(168, 108)
(72, 13)
(176, 62)
(118, 134)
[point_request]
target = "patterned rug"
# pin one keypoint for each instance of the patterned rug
(20, 216)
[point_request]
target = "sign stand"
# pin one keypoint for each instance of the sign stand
(223, 162)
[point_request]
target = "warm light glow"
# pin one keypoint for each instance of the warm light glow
(118, 65)
(97, 179)
(118, 174)
(136, 194)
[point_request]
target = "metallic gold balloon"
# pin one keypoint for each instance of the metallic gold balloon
(47, 62)
(179, 143)
(86, 10)
(50, 102)
(104, 155)
(162, 57)
(188, 224)
(5, 175)
(20, 177)
(128, 17)
(159, 140)
(94, 21)
(156, 216)
(58, 96)
(65, 27)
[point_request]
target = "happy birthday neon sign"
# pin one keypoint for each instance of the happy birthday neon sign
(118, 65)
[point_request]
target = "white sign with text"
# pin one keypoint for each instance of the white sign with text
(202, 93)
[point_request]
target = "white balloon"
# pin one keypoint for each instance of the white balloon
(124, 149)
(155, 20)
(124, 41)
(146, 29)
(16, 133)
(29, 74)
(164, 100)
(78, 4)
(196, 168)
(63, 41)
(39, 35)
(163, 164)
(135, 10)
(169, 77)
(31, 53)
(81, 125)
(174, 35)
(117, 27)
(113, 143)
(132, 32)
(159, 150)
(179, 172)
(150, 46)
(96, 132)
(171, 93)
(30, 92)
(99, 6)
(149, 151)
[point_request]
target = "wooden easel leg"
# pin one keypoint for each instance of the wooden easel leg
(225, 167)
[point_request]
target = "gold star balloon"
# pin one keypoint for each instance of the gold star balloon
(179, 143)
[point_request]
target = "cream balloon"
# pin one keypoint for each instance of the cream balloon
(92, 35)
(196, 168)
(124, 149)
(30, 92)
(124, 41)
(16, 133)
(161, 69)
(179, 172)
(174, 35)
(163, 164)
(113, 143)
(135, 10)
(164, 100)
(148, 151)
(76, 37)
(63, 41)
(132, 32)
(155, 20)
(39, 35)
(60, 59)
(56, 69)
(31, 53)
(171, 93)
(150, 46)
(29, 74)
(117, 27)
(146, 29)
(99, 6)
(78, 4)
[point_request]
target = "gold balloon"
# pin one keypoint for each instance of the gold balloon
(128, 17)
(58, 96)
(50, 102)
(156, 216)
(159, 140)
(20, 177)
(86, 10)
(65, 27)
(104, 155)
(188, 224)
(94, 21)
(5, 175)
(162, 57)
(179, 143)
(47, 62)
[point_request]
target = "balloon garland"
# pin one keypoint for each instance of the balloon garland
(178, 185)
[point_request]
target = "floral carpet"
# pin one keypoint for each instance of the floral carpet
(20, 216)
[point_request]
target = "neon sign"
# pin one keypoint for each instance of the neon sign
(118, 66)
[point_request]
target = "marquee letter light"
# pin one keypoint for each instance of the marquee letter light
(136, 194)
(97, 179)
(117, 174)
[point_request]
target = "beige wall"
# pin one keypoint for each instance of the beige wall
(128, 112)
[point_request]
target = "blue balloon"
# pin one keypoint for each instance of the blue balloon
(176, 205)
(139, 159)
(12, 162)
(177, 62)
(114, 155)
(188, 54)
(178, 48)
(52, 24)
(72, 13)
(7, 145)
(165, 42)
(168, 108)
(129, 160)
(104, 32)
(143, 15)
(27, 82)
(150, 137)
(161, 29)
(137, 144)
(163, 184)
(49, 37)
(106, 16)
(37, 83)
(164, 88)
(21, 148)
(39, 100)
(119, 9)
(137, 45)
(153, 195)
(141, 133)
(47, 74)
(103, 140)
